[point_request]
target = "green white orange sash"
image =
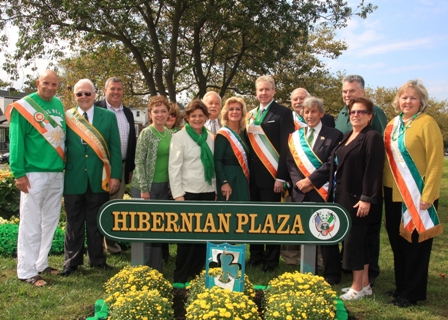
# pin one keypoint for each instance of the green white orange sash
(94, 139)
(305, 159)
(299, 122)
(261, 143)
(237, 147)
(41, 121)
(410, 184)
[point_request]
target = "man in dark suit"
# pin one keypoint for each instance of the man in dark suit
(268, 169)
(113, 91)
(312, 185)
(92, 172)
(322, 140)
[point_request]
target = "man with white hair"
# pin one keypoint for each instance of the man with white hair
(213, 102)
(298, 96)
(93, 171)
(268, 129)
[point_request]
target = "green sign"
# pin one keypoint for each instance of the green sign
(233, 222)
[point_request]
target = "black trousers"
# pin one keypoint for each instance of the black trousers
(190, 258)
(258, 254)
(82, 210)
(332, 257)
(411, 260)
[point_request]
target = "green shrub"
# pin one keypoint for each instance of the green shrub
(9, 195)
(8, 240)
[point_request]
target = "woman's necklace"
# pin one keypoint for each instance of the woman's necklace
(404, 125)
(158, 132)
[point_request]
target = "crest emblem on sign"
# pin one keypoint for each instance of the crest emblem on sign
(324, 224)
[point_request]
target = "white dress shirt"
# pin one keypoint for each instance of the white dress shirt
(186, 171)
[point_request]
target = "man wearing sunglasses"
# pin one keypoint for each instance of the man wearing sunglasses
(93, 172)
(37, 137)
(113, 92)
(353, 87)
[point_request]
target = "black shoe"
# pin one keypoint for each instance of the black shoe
(402, 302)
(68, 270)
(267, 268)
(332, 282)
(103, 266)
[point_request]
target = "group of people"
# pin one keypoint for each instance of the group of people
(238, 155)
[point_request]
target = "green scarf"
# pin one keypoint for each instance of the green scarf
(206, 154)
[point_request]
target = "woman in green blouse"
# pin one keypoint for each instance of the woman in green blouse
(151, 164)
(231, 153)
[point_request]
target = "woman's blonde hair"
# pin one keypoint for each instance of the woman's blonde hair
(225, 111)
(418, 86)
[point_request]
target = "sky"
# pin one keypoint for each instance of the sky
(400, 41)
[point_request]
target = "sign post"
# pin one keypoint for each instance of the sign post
(308, 224)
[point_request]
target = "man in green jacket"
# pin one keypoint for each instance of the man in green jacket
(353, 87)
(37, 136)
(93, 171)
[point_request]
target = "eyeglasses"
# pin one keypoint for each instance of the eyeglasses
(172, 115)
(360, 112)
(87, 94)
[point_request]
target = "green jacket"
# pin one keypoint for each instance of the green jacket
(379, 120)
(82, 164)
(29, 151)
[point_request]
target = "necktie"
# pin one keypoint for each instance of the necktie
(87, 119)
(214, 126)
(310, 137)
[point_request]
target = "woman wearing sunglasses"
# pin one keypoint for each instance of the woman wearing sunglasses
(174, 120)
(357, 164)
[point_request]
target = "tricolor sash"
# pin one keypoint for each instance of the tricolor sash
(299, 122)
(238, 148)
(261, 143)
(41, 121)
(94, 139)
(305, 158)
(410, 184)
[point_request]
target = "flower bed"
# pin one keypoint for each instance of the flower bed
(133, 294)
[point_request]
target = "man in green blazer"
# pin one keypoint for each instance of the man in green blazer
(92, 172)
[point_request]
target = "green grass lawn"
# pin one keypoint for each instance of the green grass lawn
(74, 297)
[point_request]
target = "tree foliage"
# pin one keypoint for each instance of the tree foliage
(99, 65)
(177, 44)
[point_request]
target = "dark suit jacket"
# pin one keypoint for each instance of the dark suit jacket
(326, 141)
(277, 125)
(359, 174)
(328, 120)
(132, 140)
(82, 164)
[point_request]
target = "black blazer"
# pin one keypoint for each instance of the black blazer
(359, 174)
(132, 140)
(326, 141)
(277, 125)
(328, 120)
